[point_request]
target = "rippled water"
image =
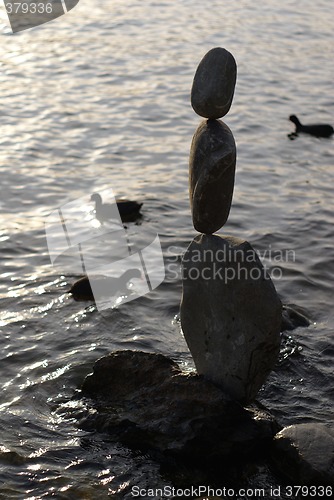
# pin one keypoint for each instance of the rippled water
(99, 98)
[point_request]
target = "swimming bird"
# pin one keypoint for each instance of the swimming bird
(105, 285)
(128, 210)
(318, 130)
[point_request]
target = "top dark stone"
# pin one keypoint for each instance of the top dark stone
(214, 83)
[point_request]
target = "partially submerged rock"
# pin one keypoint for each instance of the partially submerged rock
(305, 454)
(147, 402)
(230, 314)
(294, 316)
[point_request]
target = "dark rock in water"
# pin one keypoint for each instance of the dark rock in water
(293, 317)
(82, 290)
(9, 457)
(214, 83)
(104, 286)
(147, 402)
(305, 454)
(211, 175)
(230, 314)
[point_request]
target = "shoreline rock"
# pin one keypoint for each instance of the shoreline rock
(304, 453)
(148, 403)
(293, 317)
(185, 423)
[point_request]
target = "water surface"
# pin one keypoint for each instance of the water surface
(99, 98)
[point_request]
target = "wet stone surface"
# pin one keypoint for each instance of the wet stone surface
(146, 402)
(305, 453)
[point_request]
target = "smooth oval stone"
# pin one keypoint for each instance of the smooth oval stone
(211, 175)
(214, 82)
(230, 314)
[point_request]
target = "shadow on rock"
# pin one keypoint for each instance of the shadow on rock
(146, 402)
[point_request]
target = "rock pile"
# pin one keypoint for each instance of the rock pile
(230, 312)
(231, 317)
(145, 401)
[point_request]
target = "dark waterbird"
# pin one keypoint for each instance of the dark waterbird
(106, 286)
(128, 210)
(317, 129)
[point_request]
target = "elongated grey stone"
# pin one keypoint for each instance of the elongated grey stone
(214, 83)
(230, 314)
(211, 175)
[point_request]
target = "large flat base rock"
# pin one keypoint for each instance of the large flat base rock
(147, 402)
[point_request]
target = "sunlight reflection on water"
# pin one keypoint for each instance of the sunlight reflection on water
(99, 99)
